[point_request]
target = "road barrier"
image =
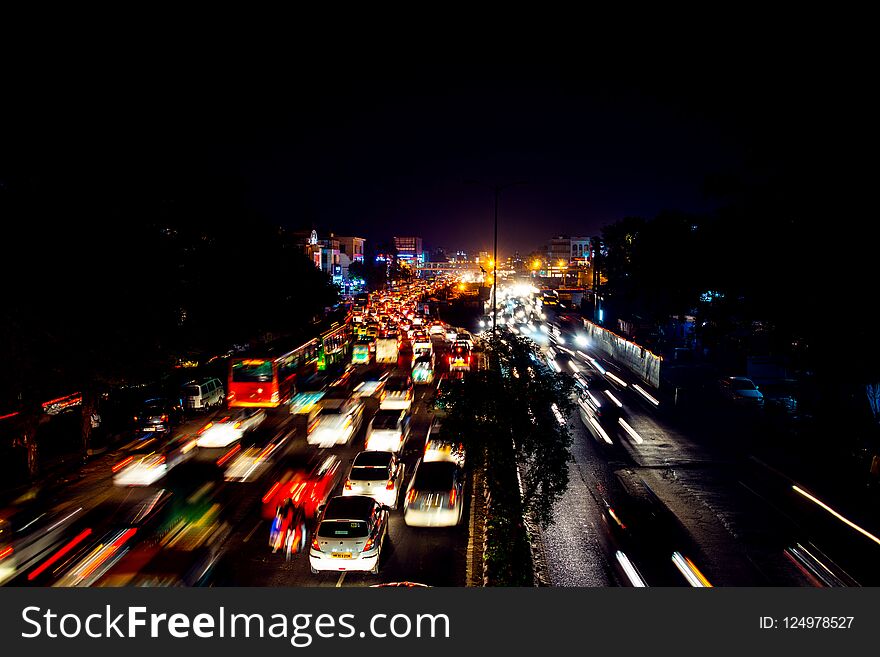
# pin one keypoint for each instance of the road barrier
(638, 360)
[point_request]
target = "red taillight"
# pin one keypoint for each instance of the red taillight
(5, 553)
(348, 484)
(164, 418)
(371, 542)
(315, 544)
(389, 485)
(412, 495)
(271, 492)
(228, 455)
(452, 497)
(122, 464)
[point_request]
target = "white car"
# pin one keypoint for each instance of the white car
(388, 430)
(148, 459)
(435, 495)
(398, 393)
(338, 422)
(464, 336)
(439, 447)
(228, 428)
(350, 535)
(376, 474)
(451, 334)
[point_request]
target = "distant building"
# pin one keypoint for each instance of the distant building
(410, 249)
(569, 249)
(353, 247)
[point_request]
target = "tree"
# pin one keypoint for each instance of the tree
(506, 420)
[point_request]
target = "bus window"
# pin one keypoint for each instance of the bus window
(252, 371)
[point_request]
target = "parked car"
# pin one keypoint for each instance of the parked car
(741, 390)
(434, 497)
(350, 535)
(159, 414)
(377, 474)
(204, 393)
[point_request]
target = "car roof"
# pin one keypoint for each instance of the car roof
(352, 507)
(373, 458)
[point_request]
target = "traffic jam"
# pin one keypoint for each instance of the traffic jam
(305, 462)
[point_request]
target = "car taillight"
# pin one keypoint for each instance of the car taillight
(389, 485)
(122, 464)
(412, 495)
(237, 425)
(164, 418)
(452, 497)
(371, 542)
(271, 492)
(348, 484)
(316, 545)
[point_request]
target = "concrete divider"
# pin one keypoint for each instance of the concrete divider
(638, 360)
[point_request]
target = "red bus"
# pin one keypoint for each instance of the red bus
(269, 382)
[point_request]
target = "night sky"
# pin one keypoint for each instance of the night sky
(379, 150)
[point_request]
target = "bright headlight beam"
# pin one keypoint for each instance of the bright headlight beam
(632, 432)
(691, 573)
(834, 513)
(601, 431)
(574, 366)
(616, 379)
(645, 394)
(614, 399)
(630, 570)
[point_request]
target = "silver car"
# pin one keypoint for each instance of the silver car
(339, 421)
(435, 497)
(350, 535)
(376, 474)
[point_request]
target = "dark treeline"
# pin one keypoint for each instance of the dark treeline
(778, 254)
(110, 277)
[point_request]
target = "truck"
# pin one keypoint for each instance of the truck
(386, 350)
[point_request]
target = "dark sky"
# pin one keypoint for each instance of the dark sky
(379, 149)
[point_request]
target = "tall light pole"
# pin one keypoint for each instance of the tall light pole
(497, 191)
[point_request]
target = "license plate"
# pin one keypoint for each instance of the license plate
(341, 555)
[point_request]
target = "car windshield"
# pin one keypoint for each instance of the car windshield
(343, 529)
(434, 476)
(251, 371)
(386, 420)
(371, 473)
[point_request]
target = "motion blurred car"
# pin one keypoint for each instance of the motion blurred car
(451, 334)
(230, 427)
(423, 370)
(307, 483)
(388, 430)
(435, 495)
(149, 458)
(159, 414)
(339, 421)
(28, 533)
(350, 535)
(741, 390)
(377, 474)
(603, 411)
(398, 393)
(437, 328)
(459, 357)
(421, 342)
(86, 554)
(439, 447)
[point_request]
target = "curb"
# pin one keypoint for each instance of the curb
(475, 567)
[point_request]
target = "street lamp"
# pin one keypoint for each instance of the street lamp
(497, 189)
